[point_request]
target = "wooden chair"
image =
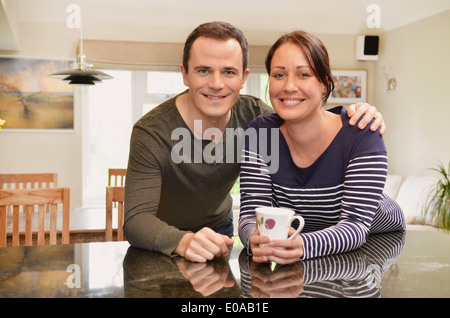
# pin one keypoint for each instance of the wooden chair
(28, 180)
(24, 203)
(114, 195)
(116, 177)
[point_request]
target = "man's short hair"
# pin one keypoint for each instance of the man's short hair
(217, 30)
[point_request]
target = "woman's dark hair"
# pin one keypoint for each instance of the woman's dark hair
(315, 52)
(219, 31)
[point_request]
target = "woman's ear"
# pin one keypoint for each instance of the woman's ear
(325, 87)
(325, 92)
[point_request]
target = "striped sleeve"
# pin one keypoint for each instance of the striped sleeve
(256, 191)
(363, 186)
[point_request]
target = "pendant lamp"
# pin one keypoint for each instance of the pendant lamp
(82, 72)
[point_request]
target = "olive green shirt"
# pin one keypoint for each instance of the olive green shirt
(172, 188)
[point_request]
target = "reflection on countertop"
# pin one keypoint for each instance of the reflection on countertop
(154, 275)
(398, 264)
(353, 274)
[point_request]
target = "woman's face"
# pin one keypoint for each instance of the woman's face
(295, 92)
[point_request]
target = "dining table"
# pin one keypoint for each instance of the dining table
(409, 264)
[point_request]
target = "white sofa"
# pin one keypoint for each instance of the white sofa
(411, 193)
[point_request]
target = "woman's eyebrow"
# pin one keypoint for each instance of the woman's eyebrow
(298, 67)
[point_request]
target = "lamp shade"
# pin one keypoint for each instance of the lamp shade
(85, 77)
(82, 73)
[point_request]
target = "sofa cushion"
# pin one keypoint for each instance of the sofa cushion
(412, 196)
(392, 186)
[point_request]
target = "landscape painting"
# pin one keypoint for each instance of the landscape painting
(29, 99)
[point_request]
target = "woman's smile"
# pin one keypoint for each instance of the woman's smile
(291, 101)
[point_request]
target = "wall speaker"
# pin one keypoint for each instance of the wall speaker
(367, 47)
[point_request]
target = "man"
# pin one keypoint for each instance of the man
(176, 202)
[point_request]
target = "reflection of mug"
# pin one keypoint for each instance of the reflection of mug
(275, 222)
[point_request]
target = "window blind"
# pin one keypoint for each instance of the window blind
(129, 55)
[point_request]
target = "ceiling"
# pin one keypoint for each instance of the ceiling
(318, 16)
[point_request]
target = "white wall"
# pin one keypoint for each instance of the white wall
(418, 111)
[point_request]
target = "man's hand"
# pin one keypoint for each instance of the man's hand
(355, 111)
(206, 278)
(203, 245)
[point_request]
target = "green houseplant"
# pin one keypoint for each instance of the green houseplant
(437, 204)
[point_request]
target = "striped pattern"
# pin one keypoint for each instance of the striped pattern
(339, 213)
(355, 274)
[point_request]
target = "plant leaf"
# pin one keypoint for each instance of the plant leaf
(437, 204)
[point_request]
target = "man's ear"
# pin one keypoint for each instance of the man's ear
(244, 77)
(184, 74)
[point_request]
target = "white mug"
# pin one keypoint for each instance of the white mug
(275, 222)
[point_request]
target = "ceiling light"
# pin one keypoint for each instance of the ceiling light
(82, 72)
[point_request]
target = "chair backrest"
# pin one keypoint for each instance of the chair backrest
(116, 177)
(28, 180)
(114, 195)
(24, 203)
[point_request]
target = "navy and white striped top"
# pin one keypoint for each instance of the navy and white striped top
(340, 195)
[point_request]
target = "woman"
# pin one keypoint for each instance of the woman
(329, 172)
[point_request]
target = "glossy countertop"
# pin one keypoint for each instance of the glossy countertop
(391, 265)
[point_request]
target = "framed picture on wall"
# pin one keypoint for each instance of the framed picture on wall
(29, 99)
(350, 86)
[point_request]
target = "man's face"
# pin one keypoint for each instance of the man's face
(215, 76)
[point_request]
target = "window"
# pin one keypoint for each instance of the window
(106, 134)
(160, 86)
(114, 106)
